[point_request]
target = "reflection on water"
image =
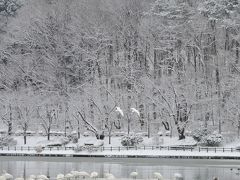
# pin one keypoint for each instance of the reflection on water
(190, 169)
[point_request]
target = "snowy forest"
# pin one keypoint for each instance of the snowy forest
(106, 66)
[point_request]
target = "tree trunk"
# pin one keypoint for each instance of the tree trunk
(109, 138)
(148, 124)
(48, 136)
(10, 121)
(25, 139)
(181, 134)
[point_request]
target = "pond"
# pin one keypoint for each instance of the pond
(122, 167)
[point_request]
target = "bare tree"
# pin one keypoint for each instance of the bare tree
(24, 119)
(48, 119)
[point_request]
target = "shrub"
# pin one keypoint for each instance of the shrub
(131, 140)
(199, 134)
(205, 137)
(39, 149)
(7, 141)
(213, 140)
(64, 140)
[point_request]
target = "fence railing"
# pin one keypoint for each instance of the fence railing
(123, 148)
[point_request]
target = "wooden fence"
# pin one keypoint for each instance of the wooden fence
(124, 148)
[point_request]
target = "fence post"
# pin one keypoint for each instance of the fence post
(144, 147)
(207, 149)
(111, 148)
(199, 149)
(231, 149)
(168, 148)
(118, 148)
(215, 149)
(152, 147)
(223, 149)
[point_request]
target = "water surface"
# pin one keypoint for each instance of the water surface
(122, 167)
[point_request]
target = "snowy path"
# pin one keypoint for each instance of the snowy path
(127, 153)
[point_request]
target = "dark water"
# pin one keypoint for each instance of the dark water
(190, 169)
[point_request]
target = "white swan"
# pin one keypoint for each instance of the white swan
(75, 174)
(158, 176)
(2, 178)
(42, 177)
(83, 174)
(7, 175)
(134, 175)
(32, 177)
(60, 177)
(109, 176)
(94, 175)
(178, 176)
(20, 178)
(69, 176)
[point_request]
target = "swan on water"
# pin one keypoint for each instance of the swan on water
(94, 175)
(83, 174)
(158, 176)
(178, 176)
(60, 177)
(134, 175)
(42, 177)
(7, 175)
(109, 176)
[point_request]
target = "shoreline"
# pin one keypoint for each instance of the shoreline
(127, 154)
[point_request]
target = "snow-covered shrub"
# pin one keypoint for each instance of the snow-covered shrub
(7, 141)
(205, 137)
(39, 149)
(79, 148)
(213, 139)
(199, 134)
(64, 140)
(131, 140)
(74, 140)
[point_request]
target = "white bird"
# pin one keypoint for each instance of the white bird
(42, 177)
(158, 176)
(178, 176)
(75, 174)
(32, 177)
(7, 175)
(19, 178)
(2, 178)
(83, 174)
(118, 109)
(134, 175)
(69, 176)
(60, 177)
(135, 111)
(109, 176)
(215, 178)
(94, 175)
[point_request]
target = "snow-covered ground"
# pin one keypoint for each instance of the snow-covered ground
(34, 141)
(115, 141)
